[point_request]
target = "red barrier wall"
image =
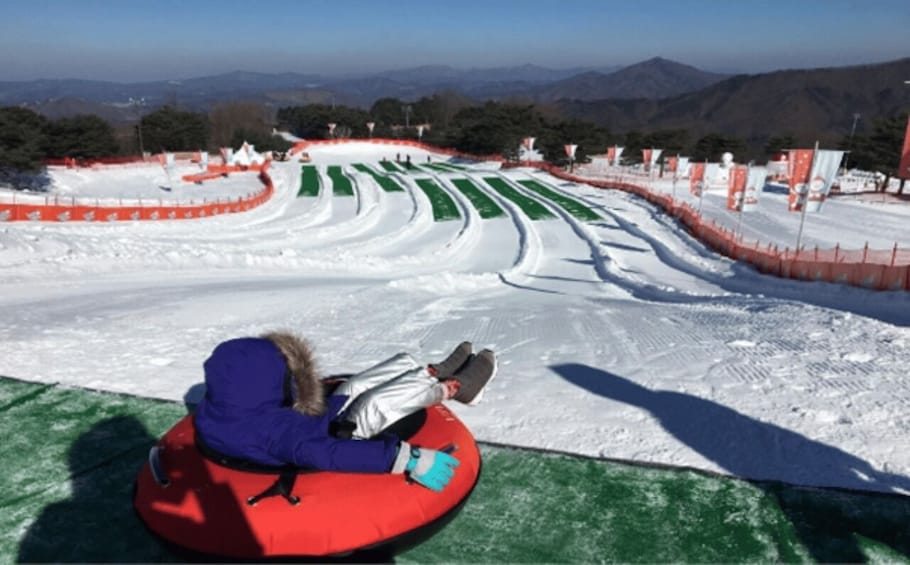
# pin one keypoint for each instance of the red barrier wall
(869, 268)
(54, 211)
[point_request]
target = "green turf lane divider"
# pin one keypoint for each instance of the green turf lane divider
(444, 207)
(387, 183)
(437, 167)
(391, 167)
(570, 205)
(309, 181)
(69, 458)
(452, 166)
(341, 184)
(534, 209)
(485, 205)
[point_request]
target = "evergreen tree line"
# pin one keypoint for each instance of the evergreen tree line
(27, 138)
(500, 127)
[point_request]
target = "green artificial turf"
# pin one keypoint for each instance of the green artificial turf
(444, 207)
(386, 182)
(485, 205)
(534, 209)
(309, 181)
(570, 205)
(70, 456)
(341, 184)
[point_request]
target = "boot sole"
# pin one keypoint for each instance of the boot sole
(476, 400)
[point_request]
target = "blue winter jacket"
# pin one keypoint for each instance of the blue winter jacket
(242, 416)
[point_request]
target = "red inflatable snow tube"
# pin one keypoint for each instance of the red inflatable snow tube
(202, 508)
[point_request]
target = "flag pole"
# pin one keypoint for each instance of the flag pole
(742, 203)
(802, 216)
(675, 172)
(704, 184)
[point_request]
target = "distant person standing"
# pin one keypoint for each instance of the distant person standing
(407, 162)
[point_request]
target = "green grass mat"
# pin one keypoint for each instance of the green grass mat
(534, 209)
(341, 184)
(444, 207)
(570, 205)
(485, 205)
(309, 181)
(391, 167)
(387, 183)
(69, 459)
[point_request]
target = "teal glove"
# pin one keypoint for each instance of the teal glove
(433, 469)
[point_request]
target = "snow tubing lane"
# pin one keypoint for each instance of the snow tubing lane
(203, 510)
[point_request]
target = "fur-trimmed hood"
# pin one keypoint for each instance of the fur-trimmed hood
(298, 355)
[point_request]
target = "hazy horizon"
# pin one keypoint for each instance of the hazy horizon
(169, 40)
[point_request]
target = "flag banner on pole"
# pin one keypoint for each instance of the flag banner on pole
(682, 167)
(570, 150)
(227, 154)
(331, 128)
(528, 142)
(903, 170)
(672, 162)
(824, 170)
(736, 187)
(712, 173)
(370, 126)
(697, 178)
(646, 158)
(800, 161)
(655, 155)
(754, 185)
(611, 155)
(618, 154)
(204, 160)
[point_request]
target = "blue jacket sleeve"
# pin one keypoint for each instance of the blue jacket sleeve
(297, 441)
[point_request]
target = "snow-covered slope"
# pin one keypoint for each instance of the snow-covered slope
(619, 337)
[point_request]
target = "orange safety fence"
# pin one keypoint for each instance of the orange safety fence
(869, 268)
(55, 210)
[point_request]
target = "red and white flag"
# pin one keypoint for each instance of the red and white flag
(682, 167)
(672, 162)
(528, 143)
(611, 154)
(800, 161)
(824, 171)
(646, 157)
(570, 150)
(903, 170)
(655, 155)
(736, 187)
(754, 185)
(697, 178)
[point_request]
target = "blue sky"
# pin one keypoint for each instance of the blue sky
(133, 40)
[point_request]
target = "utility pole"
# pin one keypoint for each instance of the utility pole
(850, 142)
(138, 103)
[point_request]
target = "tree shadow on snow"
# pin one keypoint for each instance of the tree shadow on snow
(766, 454)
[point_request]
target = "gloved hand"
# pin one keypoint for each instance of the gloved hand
(431, 468)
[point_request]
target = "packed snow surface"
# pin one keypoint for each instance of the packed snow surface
(621, 337)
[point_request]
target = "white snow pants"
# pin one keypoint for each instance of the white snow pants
(387, 392)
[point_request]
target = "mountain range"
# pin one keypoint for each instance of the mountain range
(653, 94)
